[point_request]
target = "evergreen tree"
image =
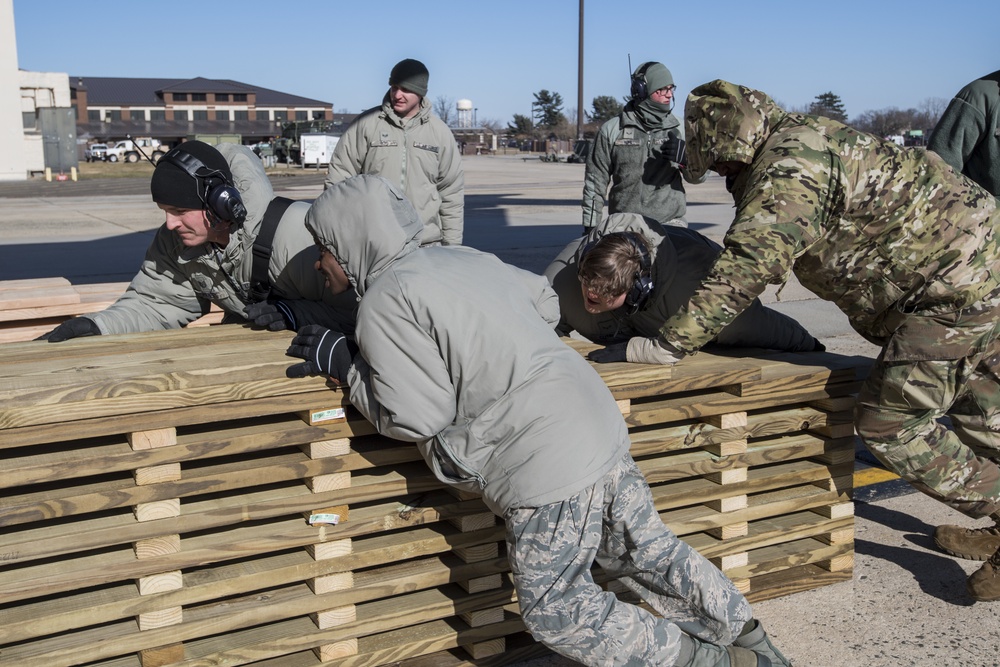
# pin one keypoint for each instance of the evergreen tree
(605, 108)
(547, 108)
(829, 105)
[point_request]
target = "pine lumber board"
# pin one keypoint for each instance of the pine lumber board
(683, 408)
(693, 433)
(112, 565)
(91, 299)
(683, 493)
(768, 532)
(80, 429)
(688, 520)
(239, 439)
(695, 463)
(793, 580)
(377, 617)
(120, 491)
(16, 299)
(264, 606)
(32, 619)
(780, 557)
(259, 503)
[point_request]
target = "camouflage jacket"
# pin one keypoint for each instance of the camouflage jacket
(882, 231)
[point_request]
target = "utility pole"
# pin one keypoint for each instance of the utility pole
(579, 81)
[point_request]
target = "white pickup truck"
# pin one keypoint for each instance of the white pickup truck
(126, 150)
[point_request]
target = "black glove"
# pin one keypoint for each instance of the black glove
(326, 352)
(270, 315)
(609, 354)
(674, 149)
(76, 327)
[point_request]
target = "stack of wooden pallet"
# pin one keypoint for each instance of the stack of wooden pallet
(171, 498)
(30, 308)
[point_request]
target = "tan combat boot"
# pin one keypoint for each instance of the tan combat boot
(984, 584)
(971, 543)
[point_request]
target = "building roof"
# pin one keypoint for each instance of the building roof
(121, 91)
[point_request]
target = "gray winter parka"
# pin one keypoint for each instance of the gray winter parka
(458, 354)
(680, 259)
(418, 155)
(176, 284)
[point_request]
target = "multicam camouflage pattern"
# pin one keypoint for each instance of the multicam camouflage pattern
(551, 550)
(878, 229)
(905, 395)
(903, 245)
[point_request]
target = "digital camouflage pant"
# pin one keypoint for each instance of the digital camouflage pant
(614, 522)
(935, 367)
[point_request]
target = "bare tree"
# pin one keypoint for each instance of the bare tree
(444, 108)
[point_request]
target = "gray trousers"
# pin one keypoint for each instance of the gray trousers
(614, 523)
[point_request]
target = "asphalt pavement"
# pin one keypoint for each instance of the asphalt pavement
(906, 604)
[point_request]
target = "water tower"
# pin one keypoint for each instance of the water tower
(465, 118)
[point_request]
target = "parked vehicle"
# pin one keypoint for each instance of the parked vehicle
(126, 150)
(317, 149)
(96, 153)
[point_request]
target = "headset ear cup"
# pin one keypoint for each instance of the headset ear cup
(226, 203)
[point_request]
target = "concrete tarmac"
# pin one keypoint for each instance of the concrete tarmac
(906, 604)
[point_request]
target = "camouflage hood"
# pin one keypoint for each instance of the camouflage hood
(366, 223)
(725, 122)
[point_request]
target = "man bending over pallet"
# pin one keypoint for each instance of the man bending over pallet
(226, 240)
(909, 251)
(456, 352)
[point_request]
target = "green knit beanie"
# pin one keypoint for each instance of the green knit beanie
(410, 75)
(658, 76)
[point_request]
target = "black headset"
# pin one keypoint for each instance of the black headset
(640, 90)
(642, 282)
(222, 200)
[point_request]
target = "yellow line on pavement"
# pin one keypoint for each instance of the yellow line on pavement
(868, 476)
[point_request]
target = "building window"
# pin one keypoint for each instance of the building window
(137, 114)
(281, 115)
(28, 120)
(239, 97)
(181, 115)
(241, 115)
(93, 116)
(157, 114)
(180, 97)
(199, 97)
(115, 115)
(318, 115)
(222, 97)
(200, 114)
(301, 115)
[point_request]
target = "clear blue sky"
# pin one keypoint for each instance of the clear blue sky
(872, 53)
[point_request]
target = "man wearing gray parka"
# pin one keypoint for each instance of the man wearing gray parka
(456, 352)
(181, 276)
(404, 142)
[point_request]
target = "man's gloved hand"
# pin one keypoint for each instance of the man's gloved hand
(674, 149)
(76, 327)
(609, 354)
(270, 315)
(652, 351)
(325, 352)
